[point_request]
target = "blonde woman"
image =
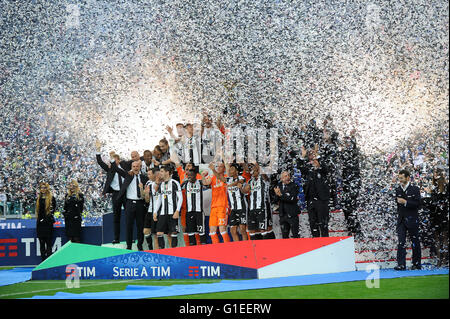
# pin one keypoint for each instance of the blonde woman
(45, 208)
(73, 208)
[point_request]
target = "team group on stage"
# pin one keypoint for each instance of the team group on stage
(163, 193)
(164, 187)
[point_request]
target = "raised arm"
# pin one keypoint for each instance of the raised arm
(170, 130)
(118, 170)
(206, 180)
(221, 178)
(100, 162)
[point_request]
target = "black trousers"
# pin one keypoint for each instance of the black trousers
(45, 244)
(288, 223)
(135, 212)
(349, 199)
(410, 225)
(319, 215)
(117, 212)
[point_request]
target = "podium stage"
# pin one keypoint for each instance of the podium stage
(234, 260)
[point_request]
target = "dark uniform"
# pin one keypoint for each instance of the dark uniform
(44, 227)
(73, 208)
(439, 210)
(351, 183)
(317, 196)
(408, 221)
(288, 209)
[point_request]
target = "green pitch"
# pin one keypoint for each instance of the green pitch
(426, 287)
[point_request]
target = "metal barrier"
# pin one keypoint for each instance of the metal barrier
(11, 209)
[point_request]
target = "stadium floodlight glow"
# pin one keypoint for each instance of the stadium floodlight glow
(140, 120)
(387, 120)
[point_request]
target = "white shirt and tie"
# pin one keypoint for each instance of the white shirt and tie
(133, 191)
(117, 181)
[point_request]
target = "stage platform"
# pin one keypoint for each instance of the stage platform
(234, 260)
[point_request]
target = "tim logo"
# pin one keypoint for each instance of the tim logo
(8, 246)
(72, 276)
(204, 271)
(193, 271)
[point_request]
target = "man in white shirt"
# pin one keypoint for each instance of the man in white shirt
(134, 201)
(112, 186)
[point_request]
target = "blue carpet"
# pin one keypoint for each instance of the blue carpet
(137, 292)
(15, 275)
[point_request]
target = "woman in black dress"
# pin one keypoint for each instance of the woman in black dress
(73, 208)
(439, 216)
(45, 208)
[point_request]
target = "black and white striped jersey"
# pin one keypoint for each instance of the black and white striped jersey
(145, 167)
(170, 198)
(191, 150)
(236, 198)
(194, 195)
(153, 196)
(210, 140)
(259, 194)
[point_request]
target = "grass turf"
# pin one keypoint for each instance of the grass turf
(426, 287)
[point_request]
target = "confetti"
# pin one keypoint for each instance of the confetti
(121, 71)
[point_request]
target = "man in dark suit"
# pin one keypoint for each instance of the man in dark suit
(408, 201)
(132, 192)
(317, 193)
(286, 195)
(351, 183)
(112, 186)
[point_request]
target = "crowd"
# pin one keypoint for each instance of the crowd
(39, 152)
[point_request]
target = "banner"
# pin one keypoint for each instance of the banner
(20, 246)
